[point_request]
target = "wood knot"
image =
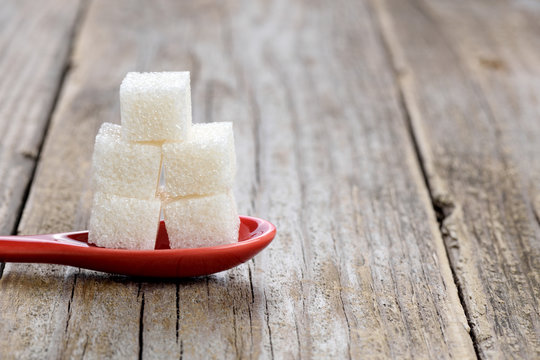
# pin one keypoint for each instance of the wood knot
(29, 154)
(492, 63)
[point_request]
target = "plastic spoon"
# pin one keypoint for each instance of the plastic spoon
(72, 249)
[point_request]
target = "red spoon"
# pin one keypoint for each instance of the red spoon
(73, 249)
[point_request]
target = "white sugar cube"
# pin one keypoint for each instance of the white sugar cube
(155, 106)
(203, 164)
(120, 222)
(122, 168)
(202, 221)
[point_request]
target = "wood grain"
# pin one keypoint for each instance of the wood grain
(323, 152)
(324, 97)
(35, 42)
(469, 74)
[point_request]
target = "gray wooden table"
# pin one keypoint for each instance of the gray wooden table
(394, 144)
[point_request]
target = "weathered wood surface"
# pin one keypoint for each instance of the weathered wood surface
(470, 77)
(338, 108)
(34, 49)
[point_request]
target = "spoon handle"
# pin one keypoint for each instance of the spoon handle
(36, 248)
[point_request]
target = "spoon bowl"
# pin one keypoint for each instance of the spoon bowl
(73, 249)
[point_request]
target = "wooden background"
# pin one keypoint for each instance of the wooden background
(394, 144)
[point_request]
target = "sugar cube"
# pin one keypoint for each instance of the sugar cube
(122, 168)
(202, 221)
(155, 106)
(121, 222)
(203, 164)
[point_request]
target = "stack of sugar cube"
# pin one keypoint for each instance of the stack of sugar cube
(198, 164)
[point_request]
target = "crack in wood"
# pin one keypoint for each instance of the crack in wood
(75, 276)
(251, 285)
(177, 310)
(250, 330)
(346, 318)
(442, 205)
(85, 346)
(472, 333)
(141, 326)
(181, 349)
(298, 342)
(534, 211)
(334, 241)
(238, 354)
(208, 293)
(268, 326)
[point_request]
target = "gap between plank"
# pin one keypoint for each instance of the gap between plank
(442, 209)
(441, 213)
(141, 325)
(177, 310)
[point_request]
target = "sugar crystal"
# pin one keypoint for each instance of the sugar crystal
(155, 106)
(122, 168)
(121, 222)
(202, 221)
(203, 164)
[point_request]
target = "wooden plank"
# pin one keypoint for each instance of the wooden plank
(358, 268)
(470, 75)
(35, 39)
